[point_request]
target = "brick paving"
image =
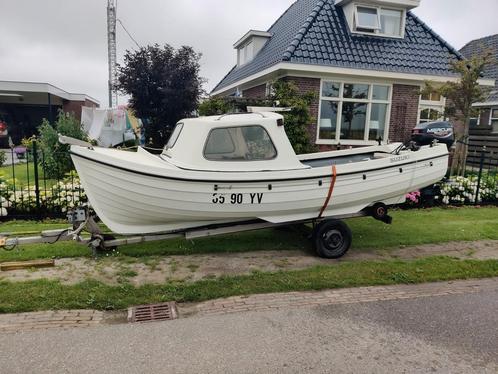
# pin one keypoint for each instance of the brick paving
(288, 300)
(49, 320)
(68, 319)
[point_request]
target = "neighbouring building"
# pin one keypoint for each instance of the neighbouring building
(23, 106)
(487, 123)
(366, 60)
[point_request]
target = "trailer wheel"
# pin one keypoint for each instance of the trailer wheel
(332, 239)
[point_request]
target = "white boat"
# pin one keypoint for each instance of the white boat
(237, 168)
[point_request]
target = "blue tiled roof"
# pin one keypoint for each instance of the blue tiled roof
(476, 47)
(315, 32)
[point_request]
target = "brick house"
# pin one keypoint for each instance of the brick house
(366, 60)
(487, 123)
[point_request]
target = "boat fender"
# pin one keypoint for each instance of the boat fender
(331, 190)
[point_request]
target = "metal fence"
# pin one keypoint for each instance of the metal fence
(30, 189)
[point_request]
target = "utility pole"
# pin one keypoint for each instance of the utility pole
(111, 51)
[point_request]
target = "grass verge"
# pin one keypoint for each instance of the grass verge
(23, 173)
(413, 227)
(47, 295)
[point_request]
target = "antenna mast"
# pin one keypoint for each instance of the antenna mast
(111, 52)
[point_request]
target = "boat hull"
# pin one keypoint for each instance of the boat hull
(132, 199)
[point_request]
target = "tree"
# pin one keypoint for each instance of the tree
(461, 95)
(164, 86)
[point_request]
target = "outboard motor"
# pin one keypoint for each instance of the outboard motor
(426, 133)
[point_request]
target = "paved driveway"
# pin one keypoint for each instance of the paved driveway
(454, 333)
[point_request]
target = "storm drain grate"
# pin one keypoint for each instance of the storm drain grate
(150, 313)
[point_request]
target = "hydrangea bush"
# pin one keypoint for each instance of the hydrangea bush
(58, 198)
(461, 190)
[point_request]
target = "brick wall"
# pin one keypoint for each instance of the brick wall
(404, 112)
(309, 85)
(258, 92)
(74, 107)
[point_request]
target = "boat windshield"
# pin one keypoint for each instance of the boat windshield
(239, 144)
(174, 136)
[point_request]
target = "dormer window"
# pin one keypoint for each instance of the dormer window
(367, 19)
(246, 53)
(385, 18)
(379, 20)
(249, 45)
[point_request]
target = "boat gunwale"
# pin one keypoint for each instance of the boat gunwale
(255, 180)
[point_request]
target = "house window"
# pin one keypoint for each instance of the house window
(431, 107)
(246, 53)
(494, 120)
(380, 21)
(367, 19)
(246, 143)
(353, 112)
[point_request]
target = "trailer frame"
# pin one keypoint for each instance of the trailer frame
(86, 231)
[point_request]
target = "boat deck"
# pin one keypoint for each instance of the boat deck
(341, 160)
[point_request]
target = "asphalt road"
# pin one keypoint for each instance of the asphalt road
(445, 334)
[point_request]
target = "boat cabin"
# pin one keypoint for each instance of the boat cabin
(232, 143)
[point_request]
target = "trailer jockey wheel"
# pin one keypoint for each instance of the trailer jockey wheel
(379, 212)
(332, 239)
(97, 244)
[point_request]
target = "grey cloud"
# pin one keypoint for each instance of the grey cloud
(64, 41)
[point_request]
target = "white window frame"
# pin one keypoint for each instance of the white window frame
(340, 100)
(356, 18)
(430, 104)
(243, 55)
(377, 31)
(491, 119)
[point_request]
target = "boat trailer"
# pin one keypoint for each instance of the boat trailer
(331, 237)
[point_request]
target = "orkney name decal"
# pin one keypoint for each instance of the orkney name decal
(237, 198)
(400, 158)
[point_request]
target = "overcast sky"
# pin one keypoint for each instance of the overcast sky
(63, 42)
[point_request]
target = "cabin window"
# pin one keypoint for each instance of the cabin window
(353, 113)
(244, 143)
(174, 136)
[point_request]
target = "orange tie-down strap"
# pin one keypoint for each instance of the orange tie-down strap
(331, 190)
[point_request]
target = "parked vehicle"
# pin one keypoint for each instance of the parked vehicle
(229, 169)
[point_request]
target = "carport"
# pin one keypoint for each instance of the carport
(23, 106)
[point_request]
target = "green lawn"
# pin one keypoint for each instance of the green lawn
(47, 295)
(411, 227)
(23, 172)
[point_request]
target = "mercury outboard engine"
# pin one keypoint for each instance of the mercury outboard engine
(426, 133)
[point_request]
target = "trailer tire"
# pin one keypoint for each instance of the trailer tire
(332, 239)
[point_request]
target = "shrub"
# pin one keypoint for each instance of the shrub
(214, 106)
(3, 158)
(56, 160)
(299, 118)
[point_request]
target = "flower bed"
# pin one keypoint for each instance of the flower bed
(55, 199)
(459, 191)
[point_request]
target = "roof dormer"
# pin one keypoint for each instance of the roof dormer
(378, 17)
(249, 45)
